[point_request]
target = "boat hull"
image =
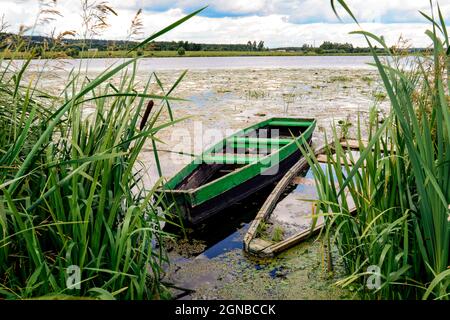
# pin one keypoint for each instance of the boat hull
(194, 215)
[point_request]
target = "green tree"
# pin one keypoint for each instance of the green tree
(72, 52)
(139, 52)
(181, 51)
(261, 46)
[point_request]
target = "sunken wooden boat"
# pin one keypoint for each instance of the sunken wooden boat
(289, 214)
(237, 167)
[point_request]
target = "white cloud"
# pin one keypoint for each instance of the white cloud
(278, 23)
(303, 10)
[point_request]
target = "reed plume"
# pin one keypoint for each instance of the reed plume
(95, 17)
(136, 27)
(4, 25)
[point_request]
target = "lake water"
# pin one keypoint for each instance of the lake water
(208, 63)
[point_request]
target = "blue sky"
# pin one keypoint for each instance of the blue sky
(277, 22)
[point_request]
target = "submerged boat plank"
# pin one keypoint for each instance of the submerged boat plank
(260, 245)
(272, 200)
(292, 241)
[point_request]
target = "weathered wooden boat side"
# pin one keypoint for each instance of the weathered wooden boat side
(256, 245)
(217, 178)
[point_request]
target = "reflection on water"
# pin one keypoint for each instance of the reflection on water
(233, 241)
(225, 231)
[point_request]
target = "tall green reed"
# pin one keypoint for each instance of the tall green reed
(401, 182)
(71, 193)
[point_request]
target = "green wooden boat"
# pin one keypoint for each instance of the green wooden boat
(237, 167)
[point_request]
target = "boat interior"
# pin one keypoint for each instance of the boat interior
(240, 150)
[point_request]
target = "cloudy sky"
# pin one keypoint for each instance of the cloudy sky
(277, 22)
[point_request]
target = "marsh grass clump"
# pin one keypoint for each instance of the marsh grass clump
(380, 96)
(262, 229)
(340, 79)
(289, 99)
(256, 94)
(367, 79)
(400, 185)
(277, 233)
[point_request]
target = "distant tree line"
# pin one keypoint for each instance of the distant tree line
(72, 47)
(191, 46)
(329, 47)
(252, 46)
(75, 45)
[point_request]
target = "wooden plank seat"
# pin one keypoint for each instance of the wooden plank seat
(243, 142)
(229, 158)
(287, 123)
